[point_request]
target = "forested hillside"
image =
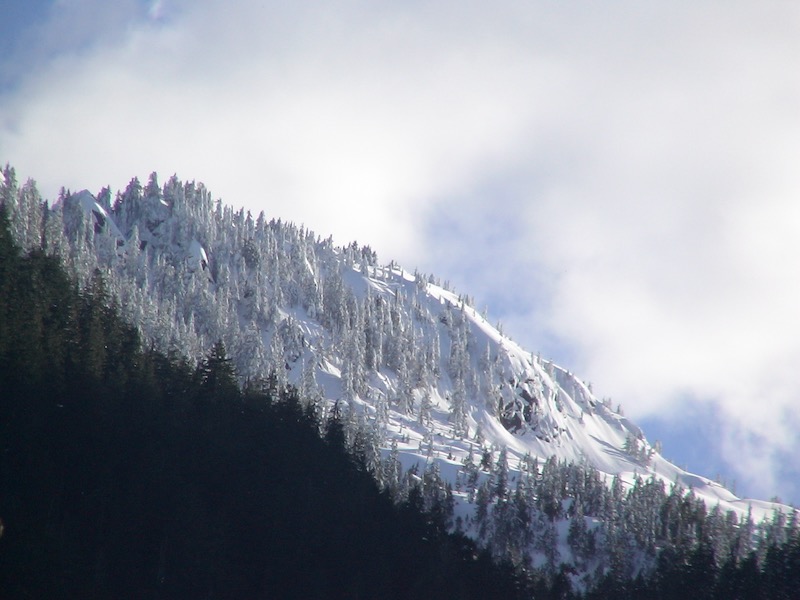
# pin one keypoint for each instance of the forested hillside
(125, 473)
(154, 375)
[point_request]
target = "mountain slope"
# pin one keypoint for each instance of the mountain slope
(421, 377)
(127, 474)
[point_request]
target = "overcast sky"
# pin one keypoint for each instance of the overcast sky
(619, 181)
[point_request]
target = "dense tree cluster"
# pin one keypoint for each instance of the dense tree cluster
(770, 573)
(125, 473)
(189, 271)
(265, 305)
(616, 536)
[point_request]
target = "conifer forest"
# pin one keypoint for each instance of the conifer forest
(196, 402)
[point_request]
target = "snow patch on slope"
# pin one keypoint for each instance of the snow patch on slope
(510, 398)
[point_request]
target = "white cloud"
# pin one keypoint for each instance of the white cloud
(628, 172)
(350, 129)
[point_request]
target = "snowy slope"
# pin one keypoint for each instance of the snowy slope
(428, 376)
(519, 401)
(566, 421)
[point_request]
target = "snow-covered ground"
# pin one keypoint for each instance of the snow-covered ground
(436, 379)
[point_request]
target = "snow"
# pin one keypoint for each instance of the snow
(197, 257)
(516, 399)
(575, 427)
(90, 206)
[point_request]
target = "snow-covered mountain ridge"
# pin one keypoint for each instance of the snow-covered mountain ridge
(411, 364)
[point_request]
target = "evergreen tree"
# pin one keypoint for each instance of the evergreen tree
(501, 476)
(217, 375)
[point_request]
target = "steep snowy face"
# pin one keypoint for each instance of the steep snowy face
(197, 258)
(84, 206)
(435, 379)
(517, 451)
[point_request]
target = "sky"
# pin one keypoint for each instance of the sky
(618, 182)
